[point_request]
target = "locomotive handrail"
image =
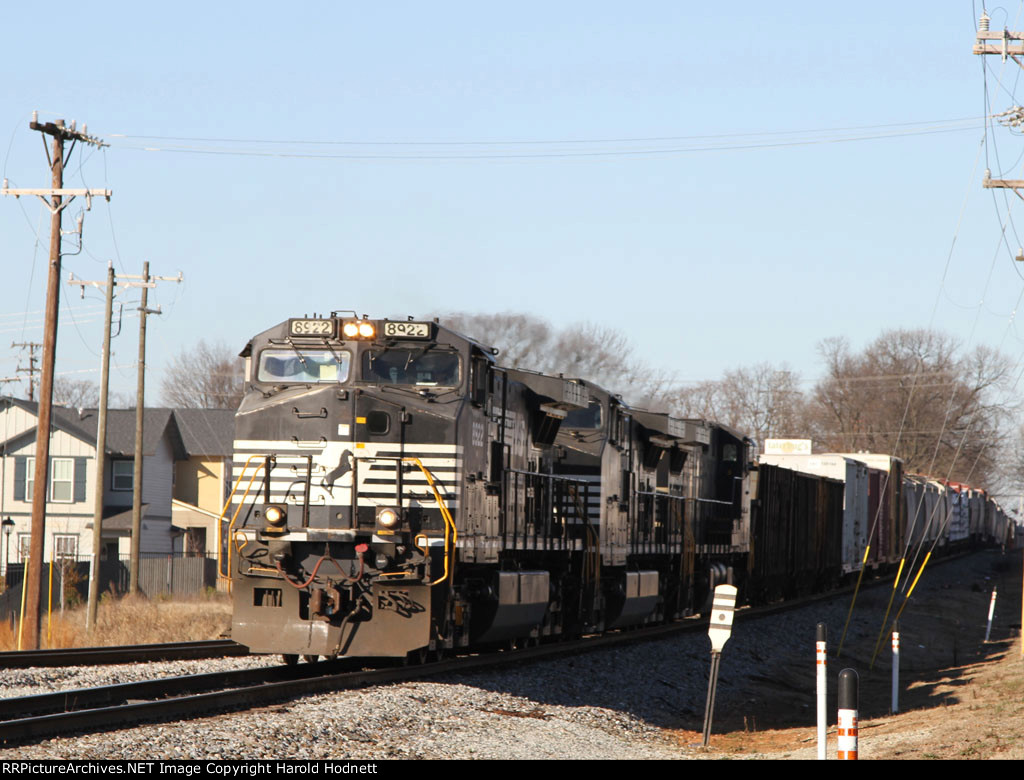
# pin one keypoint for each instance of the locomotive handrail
(241, 503)
(708, 500)
(223, 512)
(448, 521)
(591, 544)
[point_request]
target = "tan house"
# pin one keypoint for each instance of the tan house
(202, 479)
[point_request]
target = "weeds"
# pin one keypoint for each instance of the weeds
(131, 620)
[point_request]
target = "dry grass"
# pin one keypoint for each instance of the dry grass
(132, 620)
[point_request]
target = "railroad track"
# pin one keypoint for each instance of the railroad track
(88, 656)
(32, 718)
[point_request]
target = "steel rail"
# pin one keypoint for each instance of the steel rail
(127, 704)
(87, 656)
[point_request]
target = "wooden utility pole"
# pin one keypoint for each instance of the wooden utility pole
(140, 406)
(101, 428)
(54, 200)
(32, 369)
(101, 452)
(1010, 45)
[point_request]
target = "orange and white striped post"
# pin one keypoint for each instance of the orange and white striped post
(821, 651)
(848, 681)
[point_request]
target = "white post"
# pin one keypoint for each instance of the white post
(991, 611)
(895, 669)
(821, 643)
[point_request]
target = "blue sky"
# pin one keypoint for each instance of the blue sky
(405, 158)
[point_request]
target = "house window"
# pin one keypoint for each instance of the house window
(62, 479)
(24, 540)
(65, 546)
(121, 472)
(30, 475)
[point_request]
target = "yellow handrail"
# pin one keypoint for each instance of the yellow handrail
(224, 511)
(449, 523)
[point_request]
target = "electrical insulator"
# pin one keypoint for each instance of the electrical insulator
(983, 23)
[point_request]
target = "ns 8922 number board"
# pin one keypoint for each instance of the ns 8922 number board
(318, 328)
(407, 330)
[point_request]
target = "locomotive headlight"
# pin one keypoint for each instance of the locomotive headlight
(366, 329)
(350, 329)
(388, 518)
(275, 515)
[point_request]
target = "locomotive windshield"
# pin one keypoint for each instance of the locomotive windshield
(305, 366)
(411, 367)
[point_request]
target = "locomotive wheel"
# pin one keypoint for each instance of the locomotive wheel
(290, 659)
(310, 659)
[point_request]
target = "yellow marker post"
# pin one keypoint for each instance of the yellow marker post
(49, 609)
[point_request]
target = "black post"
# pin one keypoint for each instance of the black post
(709, 705)
(848, 683)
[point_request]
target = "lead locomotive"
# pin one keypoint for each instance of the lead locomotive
(396, 493)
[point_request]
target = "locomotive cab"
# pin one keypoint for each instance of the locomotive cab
(352, 446)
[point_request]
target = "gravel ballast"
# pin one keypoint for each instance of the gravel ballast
(641, 701)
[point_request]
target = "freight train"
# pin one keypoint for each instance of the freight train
(398, 493)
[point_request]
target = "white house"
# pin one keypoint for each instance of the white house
(72, 481)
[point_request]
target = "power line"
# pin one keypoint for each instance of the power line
(537, 155)
(555, 142)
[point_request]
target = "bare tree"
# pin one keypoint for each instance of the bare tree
(206, 376)
(764, 401)
(594, 352)
(912, 394)
(76, 393)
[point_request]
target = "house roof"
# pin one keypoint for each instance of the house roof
(190, 431)
(61, 418)
(120, 519)
(121, 429)
(206, 431)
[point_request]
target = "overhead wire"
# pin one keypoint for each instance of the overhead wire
(537, 142)
(910, 395)
(914, 384)
(963, 438)
(557, 154)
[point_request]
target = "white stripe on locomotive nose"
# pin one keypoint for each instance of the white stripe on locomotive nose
(264, 445)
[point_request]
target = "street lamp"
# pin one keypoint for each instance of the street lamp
(8, 525)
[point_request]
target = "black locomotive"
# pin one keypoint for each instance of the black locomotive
(397, 493)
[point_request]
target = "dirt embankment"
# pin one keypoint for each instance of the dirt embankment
(960, 697)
